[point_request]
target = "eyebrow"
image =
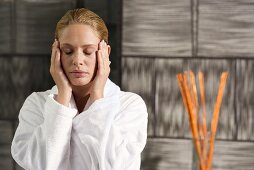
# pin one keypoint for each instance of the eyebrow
(85, 45)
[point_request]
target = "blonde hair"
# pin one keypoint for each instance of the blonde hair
(83, 16)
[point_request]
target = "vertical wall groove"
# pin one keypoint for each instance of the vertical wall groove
(235, 101)
(13, 26)
(194, 26)
(155, 103)
(197, 27)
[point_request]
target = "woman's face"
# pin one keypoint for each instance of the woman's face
(78, 45)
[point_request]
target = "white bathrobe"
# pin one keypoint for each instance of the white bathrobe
(110, 134)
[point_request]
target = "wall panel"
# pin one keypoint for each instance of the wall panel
(5, 28)
(6, 132)
(98, 7)
(233, 155)
(6, 161)
(171, 117)
(21, 76)
(36, 22)
(226, 28)
(165, 154)
(137, 77)
(212, 69)
(156, 28)
(244, 99)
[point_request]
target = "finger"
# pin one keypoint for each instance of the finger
(106, 57)
(105, 52)
(100, 45)
(53, 54)
(53, 51)
(57, 57)
(57, 60)
(105, 49)
(103, 46)
(108, 50)
(100, 62)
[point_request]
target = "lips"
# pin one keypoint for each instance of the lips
(79, 74)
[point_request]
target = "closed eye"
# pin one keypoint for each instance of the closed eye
(89, 51)
(86, 53)
(68, 53)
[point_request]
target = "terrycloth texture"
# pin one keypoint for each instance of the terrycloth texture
(109, 134)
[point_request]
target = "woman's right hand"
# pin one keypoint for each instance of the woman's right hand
(58, 75)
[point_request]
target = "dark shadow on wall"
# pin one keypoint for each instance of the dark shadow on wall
(149, 161)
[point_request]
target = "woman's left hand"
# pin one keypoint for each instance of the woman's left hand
(102, 74)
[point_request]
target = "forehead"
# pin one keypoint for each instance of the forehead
(78, 34)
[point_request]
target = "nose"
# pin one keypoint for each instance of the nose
(78, 59)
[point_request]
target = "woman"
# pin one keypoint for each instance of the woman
(85, 122)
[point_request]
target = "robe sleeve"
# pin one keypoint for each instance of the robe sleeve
(42, 138)
(115, 132)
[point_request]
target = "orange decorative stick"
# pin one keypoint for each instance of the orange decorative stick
(215, 118)
(180, 82)
(193, 121)
(182, 90)
(204, 127)
(197, 121)
(194, 90)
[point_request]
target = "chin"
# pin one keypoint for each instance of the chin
(80, 82)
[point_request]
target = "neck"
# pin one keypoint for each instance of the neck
(80, 91)
(81, 95)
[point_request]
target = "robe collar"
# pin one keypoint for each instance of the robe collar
(110, 90)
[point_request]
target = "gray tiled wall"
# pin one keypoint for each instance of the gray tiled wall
(156, 28)
(162, 38)
(6, 29)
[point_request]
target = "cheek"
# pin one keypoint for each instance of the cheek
(64, 62)
(93, 61)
